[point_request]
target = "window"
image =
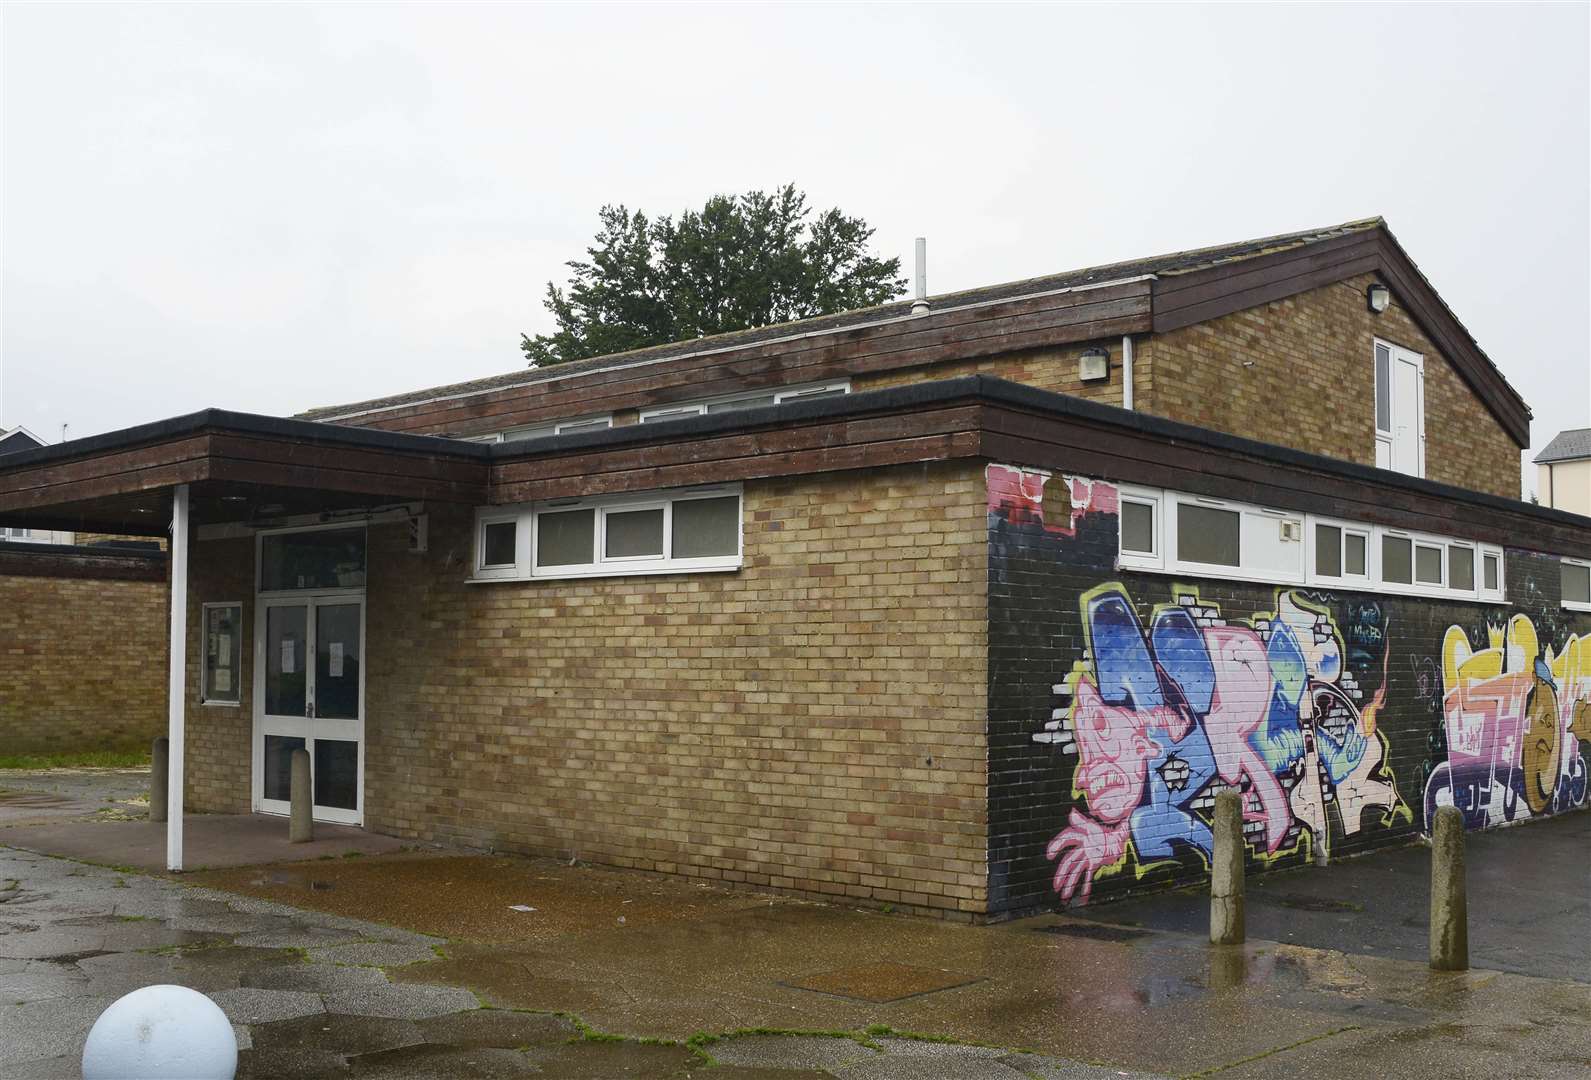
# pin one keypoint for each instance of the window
(1399, 409)
(751, 400)
(497, 545)
(1139, 522)
(222, 676)
(316, 558)
(659, 533)
(1175, 533)
(1576, 577)
(1340, 551)
(1244, 541)
(1491, 574)
(1397, 559)
(1428, 564)
(1461, 567)
(1209, 535)
(541, 431)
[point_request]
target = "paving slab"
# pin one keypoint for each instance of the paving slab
(498, 1027)
(429, 1062)
(372, 954)
(312, 978)
(246, 1005)
(209, 841)
(338, 1033)
(791, 1051)
(401, 1002)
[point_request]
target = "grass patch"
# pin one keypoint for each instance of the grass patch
(78, 759)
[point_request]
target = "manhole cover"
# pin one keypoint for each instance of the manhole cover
(1094, 931)
(879, 983)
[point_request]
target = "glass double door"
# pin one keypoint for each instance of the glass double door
(312, 698)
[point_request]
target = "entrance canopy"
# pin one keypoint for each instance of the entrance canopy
(238, 467)
(216, 467)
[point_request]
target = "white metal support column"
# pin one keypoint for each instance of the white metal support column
(177, 686)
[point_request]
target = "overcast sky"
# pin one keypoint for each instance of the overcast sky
(268, 208)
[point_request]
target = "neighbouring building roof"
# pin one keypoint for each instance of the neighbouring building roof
(18, 438)
(1571, 445)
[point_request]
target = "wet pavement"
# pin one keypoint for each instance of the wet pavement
(476, 965)
(1529, 902)
(46, 811)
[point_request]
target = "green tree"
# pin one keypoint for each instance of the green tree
(738, 262)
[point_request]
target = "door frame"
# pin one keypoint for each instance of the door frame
(309, 599)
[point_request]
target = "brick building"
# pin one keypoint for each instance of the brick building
(65, 597)
(969, 609)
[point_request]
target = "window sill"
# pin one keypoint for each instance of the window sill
(1204, 573)
(221, 704)
(1575, 605)
(612, 572)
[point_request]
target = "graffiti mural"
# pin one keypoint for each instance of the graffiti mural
(1513, 715)
(1160, 718)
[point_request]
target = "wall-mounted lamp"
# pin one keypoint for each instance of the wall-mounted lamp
(1094, 365)
(1378, 296)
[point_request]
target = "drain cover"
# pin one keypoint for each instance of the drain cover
(1093, 931)
(879, 983)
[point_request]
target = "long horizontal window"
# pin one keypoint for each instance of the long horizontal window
(658, 533)
(783, 395)
(1176, 533)
(551, 427)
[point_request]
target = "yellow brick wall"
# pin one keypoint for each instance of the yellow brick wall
(813, 722)
(82, 664)
(1047, 369)
(1300, 372)
(218, 765)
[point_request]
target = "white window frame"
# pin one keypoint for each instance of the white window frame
(1166, 560)
(595, 422)
(1137, 560)
(205, 697)
(1344, 580)
(1476, 569)
(1387, 437)
(331, 590)
(483, 518)
(1498, 595)
(1175, 563)
(782, 395)
(1574, 605)
(527, 538)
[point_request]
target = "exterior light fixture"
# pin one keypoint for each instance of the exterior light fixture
(1094, 365)
(1378, 296)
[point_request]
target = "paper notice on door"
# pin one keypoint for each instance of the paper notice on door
(336, 659)
(289, 656)
(224, 650)
(223, 680)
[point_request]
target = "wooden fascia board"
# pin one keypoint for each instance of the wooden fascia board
(1444, 329)
(910, 435)
(1018, 437)
(1003, 326)
(125, 472)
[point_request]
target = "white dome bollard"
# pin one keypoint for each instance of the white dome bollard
(161, 1033)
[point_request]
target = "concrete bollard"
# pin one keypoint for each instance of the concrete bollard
(301, 822)
(1449, 907)
(1226, 871)
(159, 776)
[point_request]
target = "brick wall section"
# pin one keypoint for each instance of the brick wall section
(1141, 826)
(82, 663)
(1048, 369)
(813, 722)
(217, 765)
(1311, 385)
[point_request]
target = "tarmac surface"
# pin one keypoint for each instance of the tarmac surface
(478, 965)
